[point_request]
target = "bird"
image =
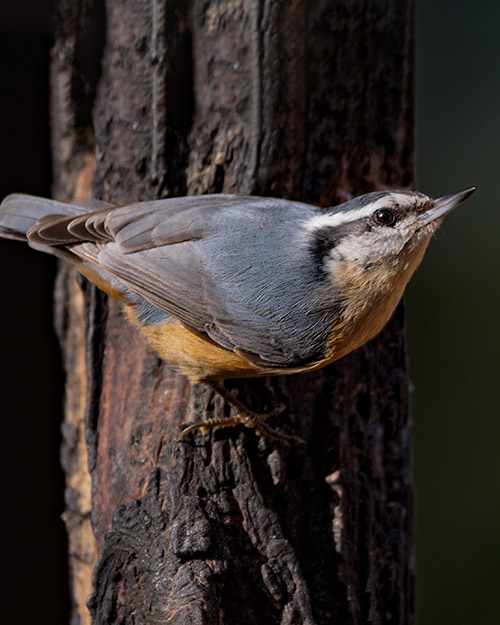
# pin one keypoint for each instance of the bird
(226, 286)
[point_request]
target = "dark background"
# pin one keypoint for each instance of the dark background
(33, 537)
(452, 318)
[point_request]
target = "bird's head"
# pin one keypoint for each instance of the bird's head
(377, 238)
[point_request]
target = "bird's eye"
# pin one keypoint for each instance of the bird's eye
(385, 217)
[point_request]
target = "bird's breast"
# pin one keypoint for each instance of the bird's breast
(370, 297)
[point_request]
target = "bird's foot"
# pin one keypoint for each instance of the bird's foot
(244, 416)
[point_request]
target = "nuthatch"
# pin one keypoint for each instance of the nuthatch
(223, 286)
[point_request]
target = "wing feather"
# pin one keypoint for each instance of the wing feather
(148, 225)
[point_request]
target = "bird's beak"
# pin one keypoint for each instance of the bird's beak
(444, 205)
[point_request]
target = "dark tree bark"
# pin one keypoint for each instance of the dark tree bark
(308, 100)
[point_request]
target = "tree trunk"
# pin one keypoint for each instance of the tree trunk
(307, 100)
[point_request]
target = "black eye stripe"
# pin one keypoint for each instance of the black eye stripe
(328, 237)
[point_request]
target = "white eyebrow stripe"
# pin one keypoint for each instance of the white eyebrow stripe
(320, 221)
(335, 219)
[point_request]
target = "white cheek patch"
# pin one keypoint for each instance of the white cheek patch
(370, 246)
(354, 248)
(341, 217)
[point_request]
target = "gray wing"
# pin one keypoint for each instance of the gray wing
(175, 254)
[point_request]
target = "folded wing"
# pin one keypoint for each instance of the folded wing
(156, 249)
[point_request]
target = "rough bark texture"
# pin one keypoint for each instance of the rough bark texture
(309, 100)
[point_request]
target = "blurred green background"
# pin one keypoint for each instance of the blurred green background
(453, 318)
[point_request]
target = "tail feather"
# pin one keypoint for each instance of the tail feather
(19, 213)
